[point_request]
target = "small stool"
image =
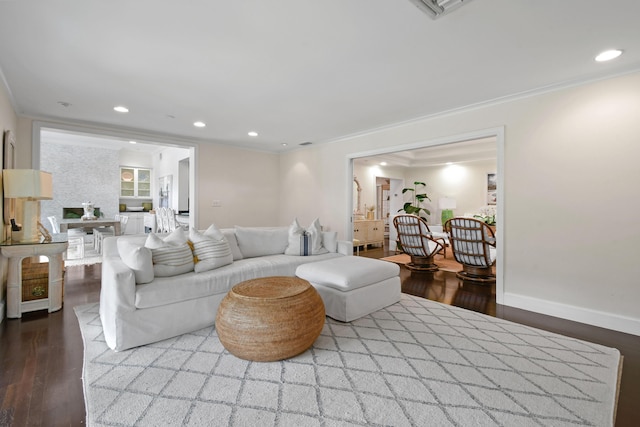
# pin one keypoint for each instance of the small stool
(352, 286)
(270, 318)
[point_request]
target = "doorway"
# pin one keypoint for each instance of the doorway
(438, 150)
(137, 146)
(389, 202)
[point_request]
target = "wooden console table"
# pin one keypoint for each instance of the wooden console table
(16, 252)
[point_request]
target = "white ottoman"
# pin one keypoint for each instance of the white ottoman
(351, 286)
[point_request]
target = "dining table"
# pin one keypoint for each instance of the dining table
(67, 223)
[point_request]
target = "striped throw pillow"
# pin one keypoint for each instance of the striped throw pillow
(172, 255)
(210, 249)
(305, 242)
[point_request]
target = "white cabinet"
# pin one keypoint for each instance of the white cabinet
(135, 182)
(369, 232)
(135, 224)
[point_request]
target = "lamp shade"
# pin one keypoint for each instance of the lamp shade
(27, 184)
(445, 203)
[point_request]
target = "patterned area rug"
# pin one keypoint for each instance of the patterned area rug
(417, 362)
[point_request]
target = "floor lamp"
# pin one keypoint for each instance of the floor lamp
(30, 186)
(447, 205)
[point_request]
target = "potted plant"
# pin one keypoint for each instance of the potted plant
(414, 206)
(488, 216)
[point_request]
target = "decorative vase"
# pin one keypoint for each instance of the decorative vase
(370, 215)
(88, 210)
(447, 214)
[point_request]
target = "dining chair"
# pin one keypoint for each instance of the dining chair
(75, 237)
(165, 220)
(100, 233)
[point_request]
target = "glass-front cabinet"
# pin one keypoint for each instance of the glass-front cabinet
(135, 182)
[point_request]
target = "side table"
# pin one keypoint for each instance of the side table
(270, 318)
(16, 252)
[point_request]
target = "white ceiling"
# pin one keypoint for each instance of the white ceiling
(295, 70)
(67, 137)
(439, 155)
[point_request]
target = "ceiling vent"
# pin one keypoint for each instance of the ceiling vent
(437, 8)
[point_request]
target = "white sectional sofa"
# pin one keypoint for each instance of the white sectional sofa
(136, 314)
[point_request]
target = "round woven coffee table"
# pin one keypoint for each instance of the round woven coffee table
(270, 318)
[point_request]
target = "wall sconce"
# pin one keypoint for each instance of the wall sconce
(447, 205)
(30, 186)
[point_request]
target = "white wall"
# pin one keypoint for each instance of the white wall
(570, 161)
(136, 159)
(246, 184)
(80, 174)
(464, 182)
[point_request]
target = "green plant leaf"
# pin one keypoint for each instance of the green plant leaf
(413, 207)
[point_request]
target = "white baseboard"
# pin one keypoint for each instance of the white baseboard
(628, 325)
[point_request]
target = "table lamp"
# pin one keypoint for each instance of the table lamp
(447, 205)
(31, 186)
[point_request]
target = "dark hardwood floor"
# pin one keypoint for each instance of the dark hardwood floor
(41, 354)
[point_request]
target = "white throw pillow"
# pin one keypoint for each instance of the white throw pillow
(230, 235)
(137, 258)
(330, 241)
(259, 241)
(172, 255)
(305, 242)
(210, 249)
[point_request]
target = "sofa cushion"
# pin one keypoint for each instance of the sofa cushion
(347, 273)
(305, 242)
(171, 255)
(261, 241)
(163, 290)
(330, 241)
(210, 249)
(137, 258)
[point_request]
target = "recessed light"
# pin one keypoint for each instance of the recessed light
(449, 163)
(383, 163)
(306, 143)
(199, 124)
(253, 133)
(284, 144)
(121, 109)
(132, 142)
(608, 55)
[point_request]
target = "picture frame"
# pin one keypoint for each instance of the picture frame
(492, 189)
(165, 184)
